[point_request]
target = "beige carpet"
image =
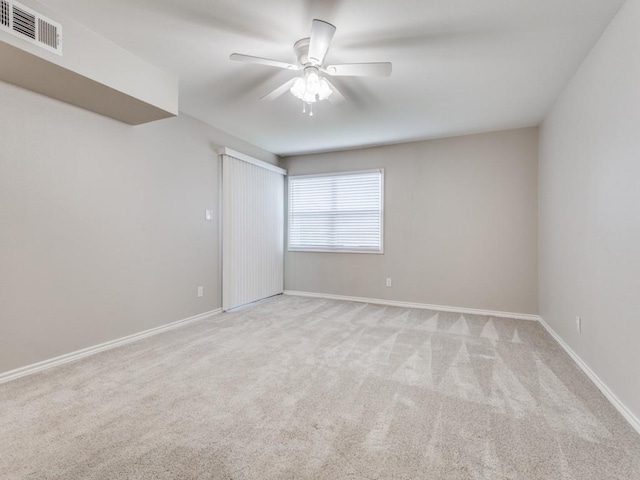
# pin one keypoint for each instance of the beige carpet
(295, 388)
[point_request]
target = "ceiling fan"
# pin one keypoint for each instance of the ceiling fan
(312, 86)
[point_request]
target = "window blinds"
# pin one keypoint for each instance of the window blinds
(252, 231)
(336, 212)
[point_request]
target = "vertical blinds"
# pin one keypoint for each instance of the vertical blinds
(253, 232)
(336, 212)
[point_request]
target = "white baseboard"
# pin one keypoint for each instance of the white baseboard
(396, 303)
(85, 352)
(606, 391)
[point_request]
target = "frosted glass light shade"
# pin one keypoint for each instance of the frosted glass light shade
(311, 89)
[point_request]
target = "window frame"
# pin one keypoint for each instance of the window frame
(340, 250)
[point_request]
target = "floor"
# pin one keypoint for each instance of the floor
(297, 388)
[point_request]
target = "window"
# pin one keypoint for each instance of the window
(339, 212)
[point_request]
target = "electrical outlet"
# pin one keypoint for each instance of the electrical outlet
(388, 282)
(579, 324)
(208, 214)
(200, 292)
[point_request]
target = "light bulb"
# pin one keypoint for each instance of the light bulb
(298, 88)
(313, 83)
(309, 97)
(325, 90)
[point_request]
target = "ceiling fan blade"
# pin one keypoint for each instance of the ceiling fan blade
(238, 57)
(336, 97)
(379, 69)
(321, 35)
(281, 90)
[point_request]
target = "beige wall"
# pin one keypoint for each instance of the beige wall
(102, 230)
(590, 209)
(460, 224)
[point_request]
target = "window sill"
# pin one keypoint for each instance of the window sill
(319, 250)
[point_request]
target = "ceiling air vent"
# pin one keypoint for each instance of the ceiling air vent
(4, 13)
(29, 25)
(24, 22)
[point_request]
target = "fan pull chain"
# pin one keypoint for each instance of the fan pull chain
(304, 108)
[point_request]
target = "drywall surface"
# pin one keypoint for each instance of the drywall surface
(459, 219)
(590, 209)
(102, 225)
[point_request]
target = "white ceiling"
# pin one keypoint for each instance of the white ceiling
(459, 66)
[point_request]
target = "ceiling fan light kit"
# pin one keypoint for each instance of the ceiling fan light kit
(311, 87)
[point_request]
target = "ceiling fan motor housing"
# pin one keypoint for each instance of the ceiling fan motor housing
(301, 49)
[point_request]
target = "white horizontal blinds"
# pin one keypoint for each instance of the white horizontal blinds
(336, 212)
(253, 237)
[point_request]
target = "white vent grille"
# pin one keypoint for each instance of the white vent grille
(24, 22)
(47, 33)
(29, 25)
(4, 13)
